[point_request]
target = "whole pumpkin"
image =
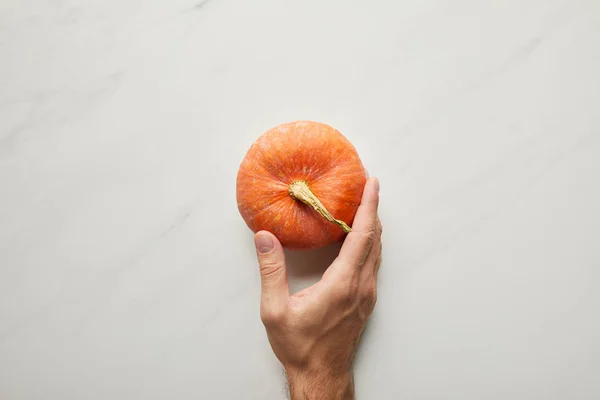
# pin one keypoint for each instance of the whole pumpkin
(303, 182)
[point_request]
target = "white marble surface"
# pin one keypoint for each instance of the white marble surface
(127, 273)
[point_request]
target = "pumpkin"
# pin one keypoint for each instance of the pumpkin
(303, 182)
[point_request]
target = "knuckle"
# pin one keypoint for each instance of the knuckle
(369, 238)
(343, 293)
(271, 317)
(369, 294)
(270, 267)
(339, 292)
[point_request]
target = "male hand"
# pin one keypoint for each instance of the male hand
(315, 332)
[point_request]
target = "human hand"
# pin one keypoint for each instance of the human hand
(315, 332)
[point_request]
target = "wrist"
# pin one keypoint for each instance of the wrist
(320, 383)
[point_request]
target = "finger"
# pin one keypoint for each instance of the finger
(366, 215)
(373, 260)
(273, 275)
(358, 243)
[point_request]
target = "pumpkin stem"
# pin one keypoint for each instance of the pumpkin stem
(299, 190)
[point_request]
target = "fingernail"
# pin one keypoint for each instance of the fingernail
(376, 185)
(264, 243)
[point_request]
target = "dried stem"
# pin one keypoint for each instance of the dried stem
(300, 191)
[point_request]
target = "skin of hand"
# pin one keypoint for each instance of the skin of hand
(315, 332)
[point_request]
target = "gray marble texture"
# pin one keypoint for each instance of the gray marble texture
(127, 273)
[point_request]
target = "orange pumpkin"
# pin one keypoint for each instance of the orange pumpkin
(301, 181)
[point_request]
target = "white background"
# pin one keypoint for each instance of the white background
(127, 273)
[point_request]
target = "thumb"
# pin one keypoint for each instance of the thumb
(273, 275)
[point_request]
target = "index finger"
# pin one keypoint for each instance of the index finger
(358, 243)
